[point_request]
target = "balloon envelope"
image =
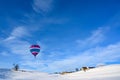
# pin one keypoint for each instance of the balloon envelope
(35, 49)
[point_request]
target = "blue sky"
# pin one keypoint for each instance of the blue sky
(71, 34)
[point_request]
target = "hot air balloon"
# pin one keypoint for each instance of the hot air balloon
(35, 49)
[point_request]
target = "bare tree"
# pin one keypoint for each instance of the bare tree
(16, 67)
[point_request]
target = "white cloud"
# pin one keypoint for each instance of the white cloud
(42, 6)
(18, 47)
(54, 20)
(14, 41)
(4, 54)
(18, 32)
(10, 38)
(97, 37)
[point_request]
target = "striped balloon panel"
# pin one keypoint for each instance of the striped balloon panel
(34, 53)
(35, 46)
(35, 50)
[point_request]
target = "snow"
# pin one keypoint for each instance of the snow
(4, 73)
(111, 72)
(35, 76)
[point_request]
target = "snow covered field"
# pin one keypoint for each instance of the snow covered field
(111, 72)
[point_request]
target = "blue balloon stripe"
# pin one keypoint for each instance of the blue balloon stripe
(34, 50)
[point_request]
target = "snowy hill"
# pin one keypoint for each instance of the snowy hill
(35, 76)
(4, 74)
(111, 72)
